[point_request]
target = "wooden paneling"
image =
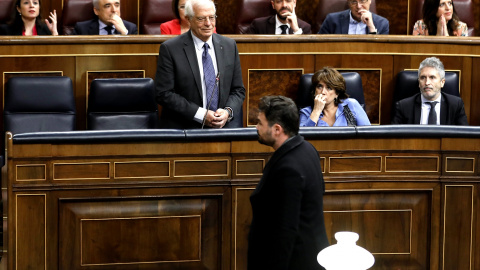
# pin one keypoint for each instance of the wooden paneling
(460, 164)
(100, 236)
(412, 164)
(403, 230)
(397, 14)
(265, 82)
(81, 171)
(161, 233)
(270, 64)
(241, 227)
(401, 14)
(197, 168)
(249, 167)
(414, 202)
(30, 232)
(31, 172)
(354, 164)
(141, 169)
(458, 227)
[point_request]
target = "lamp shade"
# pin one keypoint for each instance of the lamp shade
(345, 255)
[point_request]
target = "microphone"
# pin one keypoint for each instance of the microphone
(215, 89)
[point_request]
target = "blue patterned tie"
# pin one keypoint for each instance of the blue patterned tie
(209, 76)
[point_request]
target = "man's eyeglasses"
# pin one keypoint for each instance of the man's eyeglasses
(354, 3)
(204, 19)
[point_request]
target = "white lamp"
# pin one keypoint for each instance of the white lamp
(345, 255)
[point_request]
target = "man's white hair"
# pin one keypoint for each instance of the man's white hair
(190, 4)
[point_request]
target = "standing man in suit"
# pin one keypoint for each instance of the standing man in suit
(284, 22)
(288, 229)
(356, 20)
(108, 22)
(430, 106)
(199, 78)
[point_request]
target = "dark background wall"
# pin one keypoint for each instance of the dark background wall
(401, 14)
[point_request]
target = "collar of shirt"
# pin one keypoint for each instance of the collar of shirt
(278, 30)
(101, 28)
(426, 109)
(356, 28)
(425, 100)
(199, 43)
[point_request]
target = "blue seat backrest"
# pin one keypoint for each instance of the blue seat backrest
(122, 104)
(406, 84)
(34, 104)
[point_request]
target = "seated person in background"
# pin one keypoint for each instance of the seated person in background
(179, 25)
(331, 105)
(27, 20)
(356, 20)
(284, 22)
(108, 22)
(439, 18)
(430, 106)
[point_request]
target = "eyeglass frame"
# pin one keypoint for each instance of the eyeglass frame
(202, 20)
(355, 2)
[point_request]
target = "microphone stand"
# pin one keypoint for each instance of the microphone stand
(215, 88)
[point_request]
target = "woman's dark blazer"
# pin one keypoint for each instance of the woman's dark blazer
(17, 30)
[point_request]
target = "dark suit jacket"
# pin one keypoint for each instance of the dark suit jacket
(288, 230)
(179, 86)
(17, 30)
(266, 26)
(90, 27)
(409, 110)
(338, 22)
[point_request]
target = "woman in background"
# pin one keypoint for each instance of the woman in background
(179, 25)
(439, 18)
(331, 105)
(27, 20)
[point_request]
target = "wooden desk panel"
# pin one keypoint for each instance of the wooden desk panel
(414, 202)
